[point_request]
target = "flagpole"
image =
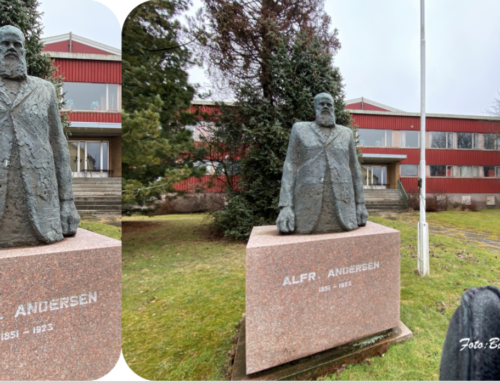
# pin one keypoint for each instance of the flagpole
(423, 228)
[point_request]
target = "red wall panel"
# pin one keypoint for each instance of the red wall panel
(107, 72)
(192, 183)
(454, 185)
(443, 156)
(432, 123)
(63, 46)
(95, 117)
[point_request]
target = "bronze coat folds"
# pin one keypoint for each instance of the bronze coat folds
(43, 149)
(308, 158)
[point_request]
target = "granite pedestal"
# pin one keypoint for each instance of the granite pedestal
(60, 309)
(309, 293)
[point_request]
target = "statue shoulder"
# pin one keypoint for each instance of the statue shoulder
(303, 125)
(345, 130)
(39, 83)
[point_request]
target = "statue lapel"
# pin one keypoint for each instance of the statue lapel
(4, 96)
(333, 135)
(25, 89)
(318, 132)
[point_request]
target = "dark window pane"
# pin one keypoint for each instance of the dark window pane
(464, 140)
(409, 170)
(489, 171)
(438, 139)
(94, 156)
(492, 141)
(438, 171)
(410, 139)
(371, 137)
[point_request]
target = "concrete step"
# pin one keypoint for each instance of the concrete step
(99, 207)
(96, 194)
(97, 179)
(98, 190)
(99, 198)
(97, 203)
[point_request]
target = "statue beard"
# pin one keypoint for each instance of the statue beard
(13, 67)
(325, 119)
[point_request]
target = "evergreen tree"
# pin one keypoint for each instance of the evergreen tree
(157, 148)
(24, 15)
(297, 65)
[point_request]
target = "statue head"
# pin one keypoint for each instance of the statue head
(12, 53)
(324, 109)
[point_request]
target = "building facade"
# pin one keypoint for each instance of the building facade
(462, 152)
(92, 74)
(92, 85)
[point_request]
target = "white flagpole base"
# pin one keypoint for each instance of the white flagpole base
(423, 249)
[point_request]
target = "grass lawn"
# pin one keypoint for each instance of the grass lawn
(486, 221)
(101, 228)
(184, 294)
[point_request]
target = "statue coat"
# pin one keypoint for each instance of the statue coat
(309, 157)
(34, 119)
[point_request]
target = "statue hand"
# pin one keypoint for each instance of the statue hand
(361, 214)
(286, 220)
(69, 218)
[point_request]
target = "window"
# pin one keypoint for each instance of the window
(232, 168)
(491, 141)
(89, 157)
(467, 140)
(409, 170)
(90, 96)
(467, 171)
(491, 171)
(375, 137)
(441, 140)
(410, 139)
(441, 171)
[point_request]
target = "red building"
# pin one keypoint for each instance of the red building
(92, 86)
(462, 152)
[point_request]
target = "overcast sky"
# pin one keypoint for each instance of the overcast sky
(380, 55)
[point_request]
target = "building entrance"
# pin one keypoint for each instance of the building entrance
(374, 177)
(89, 158)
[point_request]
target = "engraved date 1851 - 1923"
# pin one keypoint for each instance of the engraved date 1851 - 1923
(10, 335)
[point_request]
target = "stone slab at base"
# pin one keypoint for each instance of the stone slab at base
(323, 363)
(60, 309)
(310, 293)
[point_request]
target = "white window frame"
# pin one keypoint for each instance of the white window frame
(401, 168)
(403, 139)
(459, 171)
(386, 134)
(118, 99)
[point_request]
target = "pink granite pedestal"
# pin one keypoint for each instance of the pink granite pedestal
(309, 293)
(60, 309)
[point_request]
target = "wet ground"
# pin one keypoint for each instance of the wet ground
(108, 219)
(473, 237)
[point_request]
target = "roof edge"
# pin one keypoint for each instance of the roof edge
(432, 115)
(83, 40)
(374, 103)
(82, 56)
